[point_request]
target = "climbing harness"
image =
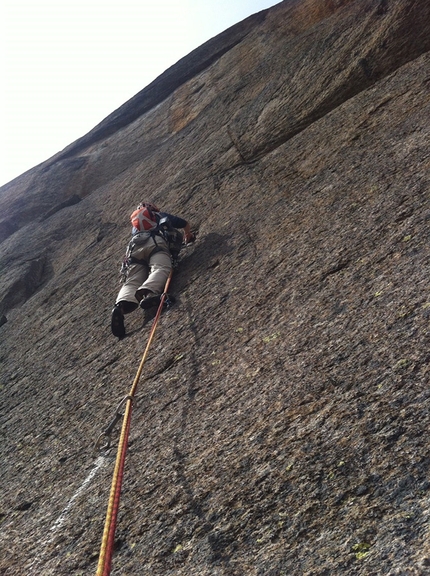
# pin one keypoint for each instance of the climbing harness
(107, 545)
(173, 237)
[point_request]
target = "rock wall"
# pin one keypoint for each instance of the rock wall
(280, 425)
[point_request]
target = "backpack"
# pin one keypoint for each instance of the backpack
(172, 236)
(143, 219)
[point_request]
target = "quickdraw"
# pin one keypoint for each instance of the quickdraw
(109, 429)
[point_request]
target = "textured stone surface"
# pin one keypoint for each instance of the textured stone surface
(282, 418)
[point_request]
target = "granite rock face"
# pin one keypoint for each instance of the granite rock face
(281, 424)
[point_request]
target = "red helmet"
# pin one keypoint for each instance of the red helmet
(149, 205)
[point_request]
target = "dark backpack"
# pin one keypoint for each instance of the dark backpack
(172, 236)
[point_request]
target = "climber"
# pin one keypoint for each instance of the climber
(148, 261)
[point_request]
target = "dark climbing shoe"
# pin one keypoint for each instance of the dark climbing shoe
(117, 323)
(150, 300)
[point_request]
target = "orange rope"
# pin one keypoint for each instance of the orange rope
(107, 545)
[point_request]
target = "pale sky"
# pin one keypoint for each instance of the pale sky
(67, 64)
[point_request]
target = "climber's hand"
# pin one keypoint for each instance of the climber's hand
(189, 238)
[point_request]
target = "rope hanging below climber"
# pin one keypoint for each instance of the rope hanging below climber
(106, 549)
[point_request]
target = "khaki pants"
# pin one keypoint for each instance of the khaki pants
(152, 275)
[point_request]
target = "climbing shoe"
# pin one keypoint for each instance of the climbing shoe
(150, 300)
(117, 322)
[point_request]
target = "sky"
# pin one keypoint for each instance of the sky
(67, 64)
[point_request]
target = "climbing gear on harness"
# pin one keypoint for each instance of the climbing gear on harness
(117, 322)
(106, 549)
